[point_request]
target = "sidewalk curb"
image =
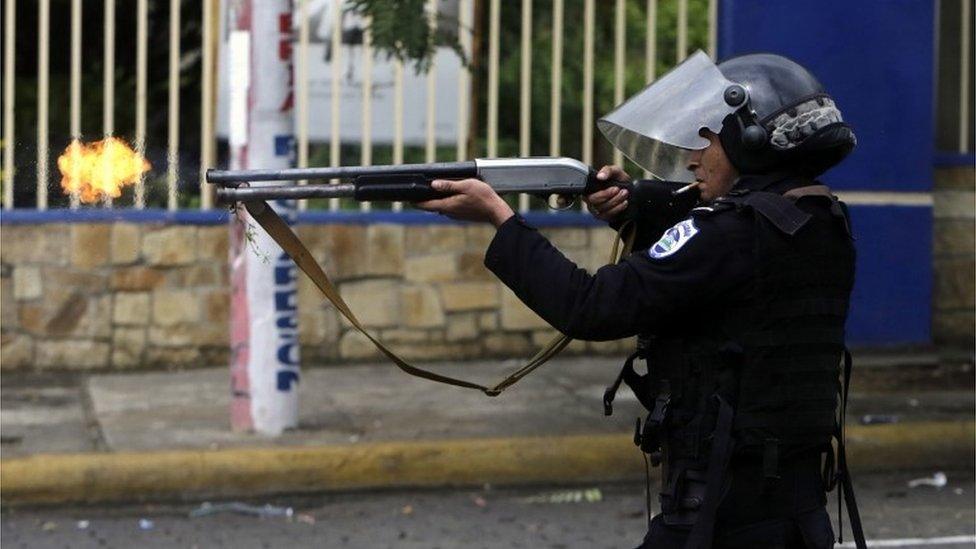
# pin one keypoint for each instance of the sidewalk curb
(189, 474)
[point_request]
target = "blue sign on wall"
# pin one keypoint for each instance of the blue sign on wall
(877, 60)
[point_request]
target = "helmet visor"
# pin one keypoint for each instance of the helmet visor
(659, 127)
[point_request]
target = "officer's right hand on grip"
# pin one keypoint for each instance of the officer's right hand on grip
(610, 203)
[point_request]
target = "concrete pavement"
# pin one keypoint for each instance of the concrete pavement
(166, 435)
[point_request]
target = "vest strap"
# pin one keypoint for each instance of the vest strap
(702, 532)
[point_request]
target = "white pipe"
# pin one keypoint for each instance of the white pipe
(366, 157)
(650, 49)
(10, 17)
(619, 43)
(588, 35)
(493, 32)
(75, 83)
(206, 105)
(397, 119)
(555, 95)
(173, 141)
(965, 60)
(43, 70)
(335, 145)
(301, 93)
(525, 98)
(108, 78)
(464, 78)
(430, 149)
(712, 28)
(682, 49)
(142, 47)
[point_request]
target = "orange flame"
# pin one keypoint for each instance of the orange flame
(100, 169)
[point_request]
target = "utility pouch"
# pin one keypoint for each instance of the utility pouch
(682, 500)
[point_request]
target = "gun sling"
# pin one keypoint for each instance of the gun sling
(277, 229)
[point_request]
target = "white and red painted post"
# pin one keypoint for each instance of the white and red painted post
(264, 314)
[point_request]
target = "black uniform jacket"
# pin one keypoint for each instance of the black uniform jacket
(702, 262)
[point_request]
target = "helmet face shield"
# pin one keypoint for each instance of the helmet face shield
(659, 127)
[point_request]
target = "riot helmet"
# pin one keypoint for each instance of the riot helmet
(770, 113)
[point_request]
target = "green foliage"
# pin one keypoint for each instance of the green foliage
(401, 29)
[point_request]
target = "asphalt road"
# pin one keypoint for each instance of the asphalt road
(552, 517)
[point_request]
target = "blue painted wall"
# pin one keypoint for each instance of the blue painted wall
(877, 59)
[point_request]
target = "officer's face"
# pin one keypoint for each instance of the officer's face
(713, 170)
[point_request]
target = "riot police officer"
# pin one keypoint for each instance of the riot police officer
(739, 308)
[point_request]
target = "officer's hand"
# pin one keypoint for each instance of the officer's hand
(471, 200)
(608, 203)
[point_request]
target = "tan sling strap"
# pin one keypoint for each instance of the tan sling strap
(293, 246)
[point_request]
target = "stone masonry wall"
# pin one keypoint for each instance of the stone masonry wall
(105, 296)
(954, 250)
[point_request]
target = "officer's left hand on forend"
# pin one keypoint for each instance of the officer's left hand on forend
(471, 200)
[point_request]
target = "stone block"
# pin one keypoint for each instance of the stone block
(507, 345)
(954, 204)
(174, 357)
(176, 245)
(355, 346)
(421, 307)
(400, 335)
(439, 267)
(183, 335)
(566, 238)
(428, 239)
(172, 307)
(376, 302)
(68, 313)
(216, 305)
(318, 327)
(128, 345)
(469, 296)
(42, 243)
(126, 243)
(955, 177)
(198, 275)
(488, 321)
(16, 351)
(131, 308)
(954, 328)
(97, 320)
(478, 236)
(462, 327)
(435, 351)
(954, 237)
(31, 318)
(385, 249)
(954, 285)
(543, 337)
(471, 266)
(132, 279)
(27, 282)
(345, 251)
(90, 244)
(71, 354)
(213, 244)
(516, 316)
(8, 305)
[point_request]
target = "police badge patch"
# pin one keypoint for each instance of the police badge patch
(673, 239)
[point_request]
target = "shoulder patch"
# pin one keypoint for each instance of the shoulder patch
(673, 239)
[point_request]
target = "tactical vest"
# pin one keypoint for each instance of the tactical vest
(758, 378)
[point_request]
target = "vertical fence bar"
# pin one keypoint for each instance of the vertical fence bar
(43, 70)
(650, 49)
(964, 63)
(619, 42)
(588, 31)
(108, 78)
(464, 78)
(555, 94)
(366, 153)
(397, 119)
(525, 98)
(430, 148)
(301, 93)
(335, 145)
(712, 28)
(206, 105)
(75, 83)
(9, 30)
(493, 32)
(682, 49)
(142, 46)
(173, 142)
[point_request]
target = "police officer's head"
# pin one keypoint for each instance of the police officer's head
(768, 115)
(784, 122)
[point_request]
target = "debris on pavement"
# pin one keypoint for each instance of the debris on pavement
(206, 508)
(305, 518)
(590, 495)
(407, 510)
(480, 501)
(49, 526)
(937, 480)
(878, 419)
(146, 524)
(82, 524)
